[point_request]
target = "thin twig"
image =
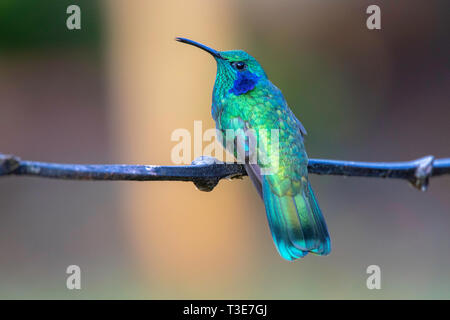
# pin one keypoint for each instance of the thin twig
(206, 172)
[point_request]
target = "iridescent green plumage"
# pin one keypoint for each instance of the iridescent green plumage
(245, 101)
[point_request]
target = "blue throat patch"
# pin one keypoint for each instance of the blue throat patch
(245, 82)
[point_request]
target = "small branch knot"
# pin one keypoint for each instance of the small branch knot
(8, 164)
(206, 172)
(423, 173)
(206, 184)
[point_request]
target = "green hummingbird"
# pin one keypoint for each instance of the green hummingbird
(245, 101)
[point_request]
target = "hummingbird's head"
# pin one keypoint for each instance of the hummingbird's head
(237, 71)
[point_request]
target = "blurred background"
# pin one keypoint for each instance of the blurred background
(114, 91)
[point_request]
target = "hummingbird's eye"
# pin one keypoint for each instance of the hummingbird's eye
(239, 65)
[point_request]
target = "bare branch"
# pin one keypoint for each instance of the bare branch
(206, 172)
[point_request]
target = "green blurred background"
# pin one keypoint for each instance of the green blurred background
(115, 90)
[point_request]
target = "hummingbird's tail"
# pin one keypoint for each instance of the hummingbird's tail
(296, 223)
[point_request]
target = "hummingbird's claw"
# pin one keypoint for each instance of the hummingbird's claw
(206, 184)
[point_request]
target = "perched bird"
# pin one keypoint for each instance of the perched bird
(244, 100)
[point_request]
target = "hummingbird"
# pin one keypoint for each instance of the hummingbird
(245, 100)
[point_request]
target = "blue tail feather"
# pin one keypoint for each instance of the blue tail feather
(296, 223)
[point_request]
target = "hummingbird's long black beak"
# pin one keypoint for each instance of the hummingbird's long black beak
(211, 51)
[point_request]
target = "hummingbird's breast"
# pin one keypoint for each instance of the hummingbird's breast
(265, 109)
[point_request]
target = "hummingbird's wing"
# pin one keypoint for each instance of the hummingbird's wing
(299, 124)
(294, 216)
